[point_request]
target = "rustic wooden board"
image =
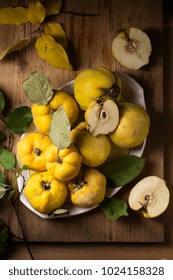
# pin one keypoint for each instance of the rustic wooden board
(90, 40)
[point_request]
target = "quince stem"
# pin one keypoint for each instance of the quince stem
(37, 151)
(46, 185)
(114, 91)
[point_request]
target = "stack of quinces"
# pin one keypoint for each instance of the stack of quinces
(106, 120)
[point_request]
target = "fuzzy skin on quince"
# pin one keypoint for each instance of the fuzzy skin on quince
(45, 193)
(93, 149)
(63, 164)
(88, 188)
(133, 126)
(31, 150)
(71, 107)
(91, 84)
(42, 114)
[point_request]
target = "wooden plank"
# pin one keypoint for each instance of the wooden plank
(90, 40)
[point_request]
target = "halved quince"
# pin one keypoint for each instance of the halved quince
(102, 117)
(132, 48)
(150, 196)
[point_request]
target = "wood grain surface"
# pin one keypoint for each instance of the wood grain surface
(90, 39)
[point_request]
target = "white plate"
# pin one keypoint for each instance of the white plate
(135, 94)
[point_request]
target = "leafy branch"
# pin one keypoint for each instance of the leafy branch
(50, 46)
(51, 43)
(17, 122)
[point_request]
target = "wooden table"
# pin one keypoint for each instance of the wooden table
(135, 238)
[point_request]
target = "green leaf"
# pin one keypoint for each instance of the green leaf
(7, 159)
(38, 88)
(2, 178)
(123, 170)
(17, 15)
(19, 120)
(2, 191)
(4, 235)
(9, 194)
(16, 47)
(60, 129)
(2, 136)
(52, 52)
(114, 208)
(2, 101)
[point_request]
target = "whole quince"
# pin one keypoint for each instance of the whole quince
(71, 107)
(88, 188)
(31, 150)
(133, 126)
(42, 114)
(91, 84)
(93, 149)
(63, 164)
(45, 193)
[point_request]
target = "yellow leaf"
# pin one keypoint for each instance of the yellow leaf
(53, 7)
(16, 47)
(57, 32)
(11, 15)
(52, 52)
(36, 12)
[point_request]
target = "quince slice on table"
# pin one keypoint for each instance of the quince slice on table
(150, 196)
(132, 48)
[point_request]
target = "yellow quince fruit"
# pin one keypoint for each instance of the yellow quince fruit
(91, 84)
(45, 193)
(133, 126)
(42, 114)
(63, 164)
(69, 103)
(31, 150)
(93, 149)
(88, 188)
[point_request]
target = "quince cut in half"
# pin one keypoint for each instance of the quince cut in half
(150, 196)
(102, 117)
(132, 48)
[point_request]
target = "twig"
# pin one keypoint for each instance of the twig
(22, 230)
(79, 14)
